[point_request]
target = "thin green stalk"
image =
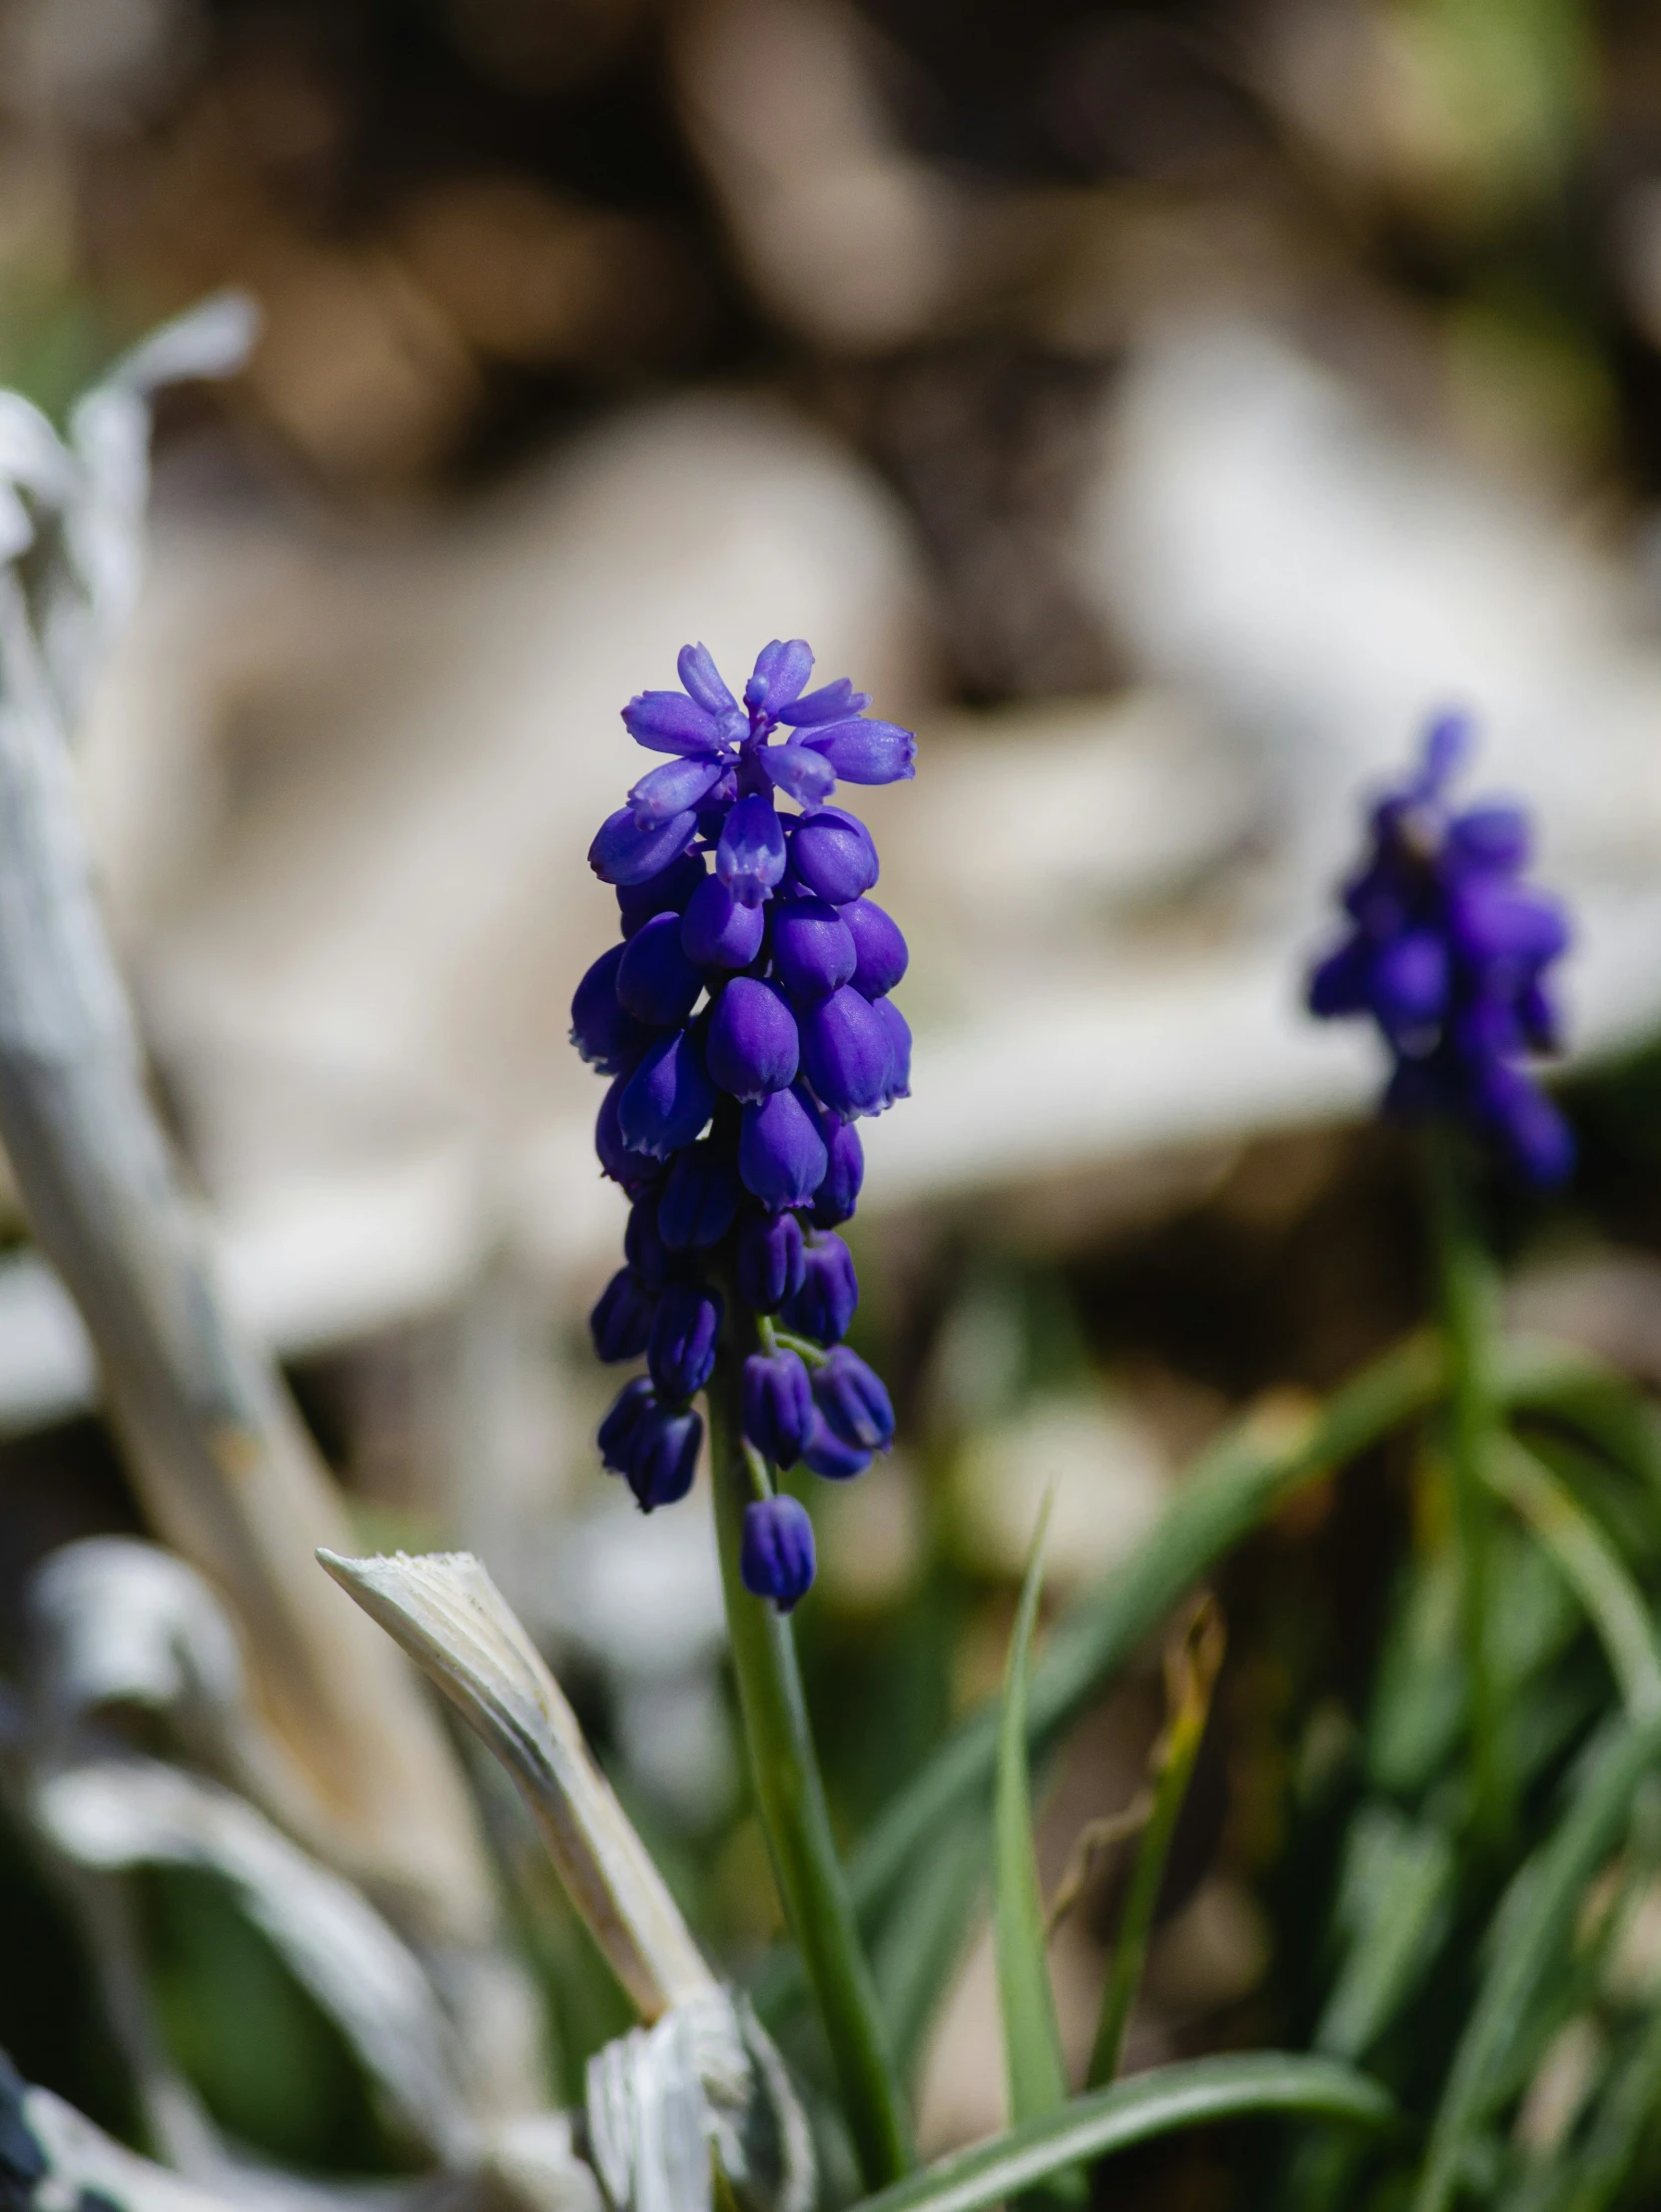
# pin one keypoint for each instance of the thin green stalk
(791, 1799)
(1467, 1306)
(1191, 1672)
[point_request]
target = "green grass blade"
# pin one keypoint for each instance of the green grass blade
(1190, 1676)
(1159, 2103)
(1031, 2037)
(1625, 2116)
(1395, 1898)
(1591, 1566)
(1539, 1910)
(919, 1951)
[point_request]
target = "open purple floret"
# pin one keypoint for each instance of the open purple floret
(1448, 951)
(745, 1026)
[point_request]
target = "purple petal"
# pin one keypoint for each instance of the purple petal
(672, 789)
(801, 771)
(781, 669)
(697, 670)
(867, 753)
(750, 856)
(668, 722)
(625, 853)
(832, 702)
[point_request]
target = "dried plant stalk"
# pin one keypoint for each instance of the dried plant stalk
(459, 1629)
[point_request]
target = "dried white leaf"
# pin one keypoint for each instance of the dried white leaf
(455, 1624)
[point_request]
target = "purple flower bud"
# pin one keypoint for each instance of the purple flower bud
(813, 947)
(607, 1038)
(1410, 982)
(827, 1455)
(753, 1047)
(663, 1457)
(631, 1169)
(771, 1261)
(720, 931)
(622, 1319)
(846, 1053)
(750, 856)
(867, 753)
(778, 1405)
(668, 893)
(781, 1155)
(623, 853)
(781, 669)
(681, 1350)
(837, 1195)
(643, 1246)
(880, 954)
(832, 702)
(668, 722)
(696, 666)
(798, 771)
(832, 853)
(617, 1432)
(663, 792)
(655, 980)
(896, 1082)
(1496, 838)
(853, 1401)
(775, 1556)
(1340, 982)
(1527, 1124)
(668, 1099)
(700, 1196)
(1492, 920)
(829, 1296)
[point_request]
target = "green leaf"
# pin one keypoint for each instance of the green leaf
(1159, 2103)
(1533, 1924)
(1031, 2037)
(919, 1951)
(1591, 1566)
(1396, 1897)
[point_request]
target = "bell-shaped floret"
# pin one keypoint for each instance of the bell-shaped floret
(663, 1455)
(753, 1046)
(1339, 983)
(664, 792)
(828, 1455)
(1497, 839)
(668, 1099)
(606, 1036)
(837, 1195)
(846, 1053)
(749, 859)
(623, 853)
(1494, 920)
(695, 666)
(655, 980)
(813, 948)
(777, 1405)
(800, 772)
(1527, 1124)
(896, 1082)
(643, 1246)
(867, 752)
(853, 1401)
(668, 893)
(828, 1298)
(781, 669)
(630, 1168)
(771, 1261)
(1409, 984)
(680, 1352)
(617, 1430)
(832, 702)
(668, 722)
(781, 1155)
(700, 1198)
(622, 1319)
(832, 854)
(880, 953)
(721, 931)
(775, 1553)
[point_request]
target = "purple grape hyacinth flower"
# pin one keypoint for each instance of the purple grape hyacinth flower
(1448, 951)
(744, 1021)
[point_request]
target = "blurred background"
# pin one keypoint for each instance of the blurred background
(1163, 408)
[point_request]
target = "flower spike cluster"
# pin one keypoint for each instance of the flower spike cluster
(746, 1025)
(1448, 950)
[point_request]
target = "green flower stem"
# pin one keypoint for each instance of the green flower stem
(1467, 1302)
(791, 1799)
